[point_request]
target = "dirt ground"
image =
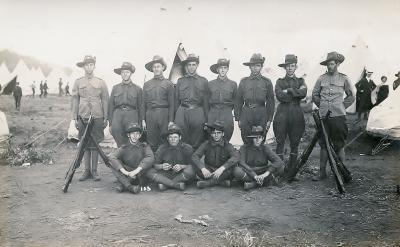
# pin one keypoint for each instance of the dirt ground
(35, 212)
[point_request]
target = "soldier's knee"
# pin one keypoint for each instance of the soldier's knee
(150, 174)
(189, 172)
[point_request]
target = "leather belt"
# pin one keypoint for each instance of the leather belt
(189, 106)
(157, 106)
(253, 105)
(221, 105)
(126, 107)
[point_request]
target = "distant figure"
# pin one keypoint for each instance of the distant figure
(60, 91)
(381, 92)
(67, 90)
(33, 86)
(363, 96)
(0, 89)
(396, 83)
(17, 93)
(41, 89)
(45, 87)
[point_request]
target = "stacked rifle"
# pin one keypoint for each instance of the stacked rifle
(341, 173)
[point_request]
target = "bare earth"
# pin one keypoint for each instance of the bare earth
(35, 212)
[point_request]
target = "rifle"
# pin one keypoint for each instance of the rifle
(79, 155)
(332, 163)
(104, 157)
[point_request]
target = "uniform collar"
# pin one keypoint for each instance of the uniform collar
(258, 76)
(193, 76)
(291, 77)
(89, 76)
(219, 143)
(130, 83)
(224, 79)
(159, 77)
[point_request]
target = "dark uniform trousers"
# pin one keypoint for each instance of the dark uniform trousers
(121, 118)
(157, 125)
(191, 120)
(252, 116)
(222, 113)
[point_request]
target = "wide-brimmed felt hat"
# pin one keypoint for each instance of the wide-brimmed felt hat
(156, 59)
(398, 74)
(125, 66)
(256, 58)
(87, 59)
(289, 59)
(256, 131)
(134, 127)
(220, 62)
(333, 56)
(191, 58)
(217, 125)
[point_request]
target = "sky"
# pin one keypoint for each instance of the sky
(62, 32)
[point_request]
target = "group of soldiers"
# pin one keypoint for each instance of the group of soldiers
(172, 135)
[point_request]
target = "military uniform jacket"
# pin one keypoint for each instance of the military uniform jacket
(89, 97)
(222, 91)
(131, 156)
(181, 154)
(192, 90)
(297, 89)
(159, 93)
(216, 154)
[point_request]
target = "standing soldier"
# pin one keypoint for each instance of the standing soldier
(132, 160)
(17, 93)
(90, 98)
(255, 103)
(45, 87)
(33, 86)
(219, 158)
(158, 102)
(328, 95)
(60, 91)
(41, 89)
(191, 102)
(222, 97)
(173, 162)
(289, 118)
(255, 156)
(125, 104)
(67, 90)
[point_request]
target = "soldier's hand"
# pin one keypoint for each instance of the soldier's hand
(206, 173)
(259, 179)
(170, 123)
(218, 172)
(177, 168)
(144, 124)
(123, 171)
(135, 172)
(284, 90)
(166, 166)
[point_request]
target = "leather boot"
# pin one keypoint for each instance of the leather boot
(86, 159)
(249, 185)
(160, 179)
(95, 162)
(292, 164)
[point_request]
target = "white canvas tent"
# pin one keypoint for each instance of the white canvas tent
(4, 135)
(107, 142)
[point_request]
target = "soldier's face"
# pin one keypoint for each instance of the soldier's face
(134, 137)
(222, 70)
(257, 141)
(191, 67)
(332, 67)
(89, 68)
(369, 74)
(126, 74)
(174, 139)
(384, 79)
(217, 135)
(290, 69)
(158, 69)
(255, 68)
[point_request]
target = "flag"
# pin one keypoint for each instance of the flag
(177, 70)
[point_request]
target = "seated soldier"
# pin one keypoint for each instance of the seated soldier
(219, 158)
(132, 160)
(173, 162)
(254, 156)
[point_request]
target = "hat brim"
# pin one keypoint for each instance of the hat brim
(149, 65)
(332, 59)
(133, 130)
(119, 70)
(397, 75)
(210, 128)
(283, 65)
(165, 135)
(252, 63)
(81, 64)
(214, 67)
